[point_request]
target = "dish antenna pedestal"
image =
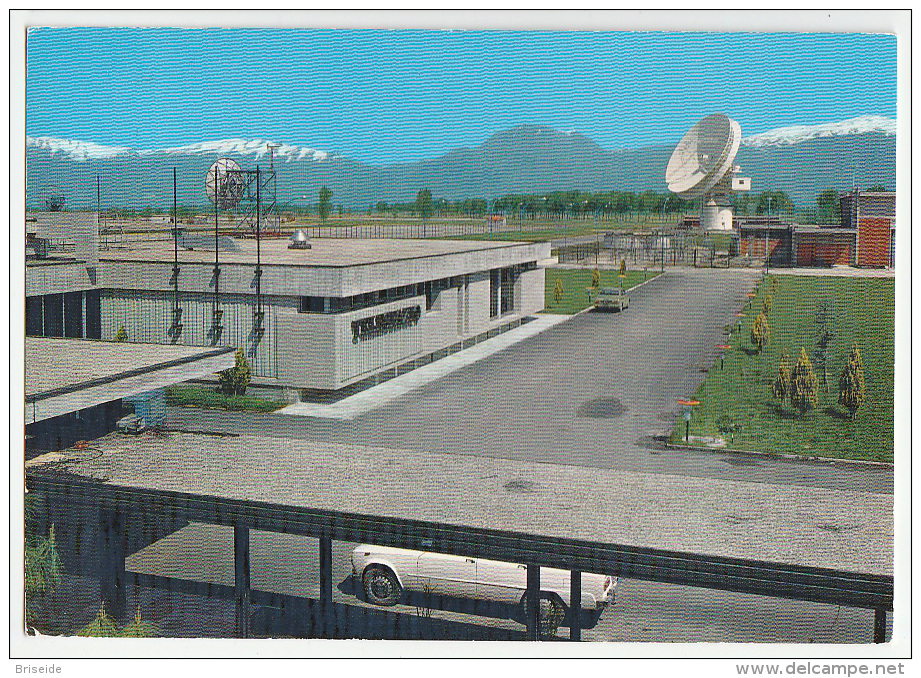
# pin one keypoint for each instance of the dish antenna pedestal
(702, 167)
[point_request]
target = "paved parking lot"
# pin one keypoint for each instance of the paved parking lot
(642, 612)
(598, 390)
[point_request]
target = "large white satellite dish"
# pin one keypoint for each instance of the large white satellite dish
(224, 184)
(701, 166)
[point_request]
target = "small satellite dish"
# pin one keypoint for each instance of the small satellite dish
(224, 184)
(702, 166)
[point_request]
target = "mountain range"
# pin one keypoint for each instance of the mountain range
(801, 160)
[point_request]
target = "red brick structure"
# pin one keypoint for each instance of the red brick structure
(872, 214)
(824, 246)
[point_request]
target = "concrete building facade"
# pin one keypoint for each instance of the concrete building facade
(332, 315)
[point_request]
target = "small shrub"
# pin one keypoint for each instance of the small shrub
(728, 426)
(596, 279)
(760, 332)
(804, 387)
(851, 386)
(43, 567)
(558, 291)
(138, 628)
(234, 381)
(103, 626)
(122, 334)
(781, 386)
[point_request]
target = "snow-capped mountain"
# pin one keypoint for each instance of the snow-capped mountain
(76, 150)
(801, 160)
(795, 134)
(257, 148)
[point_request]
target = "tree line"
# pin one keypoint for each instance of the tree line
(552, 205)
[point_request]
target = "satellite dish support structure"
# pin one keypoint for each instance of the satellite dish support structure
(702, 166)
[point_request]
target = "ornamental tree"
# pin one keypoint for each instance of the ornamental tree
(804, 387)
(851, 386)
(233, 381)
(781, 386)
(558, 291)
(760, 332)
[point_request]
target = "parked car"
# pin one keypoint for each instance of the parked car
(611, 299)
(386, 573)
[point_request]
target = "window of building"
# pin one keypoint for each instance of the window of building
(93, 316)
(368, 299)
(54, 315)
(508, 290)
(311, 305)
(33, 316)
(494, 287)
(73, 315)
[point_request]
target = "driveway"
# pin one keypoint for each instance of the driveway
(599, 390)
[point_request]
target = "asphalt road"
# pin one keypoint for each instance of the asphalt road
(599, 390)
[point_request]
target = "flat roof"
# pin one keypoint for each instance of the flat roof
(66, 375)
(786, 524)
(324, 252)
(826, 230)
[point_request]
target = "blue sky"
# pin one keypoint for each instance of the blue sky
(384, 96)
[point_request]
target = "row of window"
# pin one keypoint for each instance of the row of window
(62, 315)
(502, 299)
(430, 289)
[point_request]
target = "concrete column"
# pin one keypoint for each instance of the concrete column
(326, 585)
(879, 625)
(575, 606)
(241, 581)
(532, 613)
(112, 580)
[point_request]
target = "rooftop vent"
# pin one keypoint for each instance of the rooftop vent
(299, 241)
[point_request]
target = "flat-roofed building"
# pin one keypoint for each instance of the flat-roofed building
(335, 314)
(62, 257)
(872, 215)
(75, 388)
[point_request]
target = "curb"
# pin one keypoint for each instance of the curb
(778, 455)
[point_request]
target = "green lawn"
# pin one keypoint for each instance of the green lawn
(575, 284)
(187, 395)
(863, 313)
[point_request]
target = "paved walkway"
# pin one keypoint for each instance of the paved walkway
(838, 271)
(377, 396)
